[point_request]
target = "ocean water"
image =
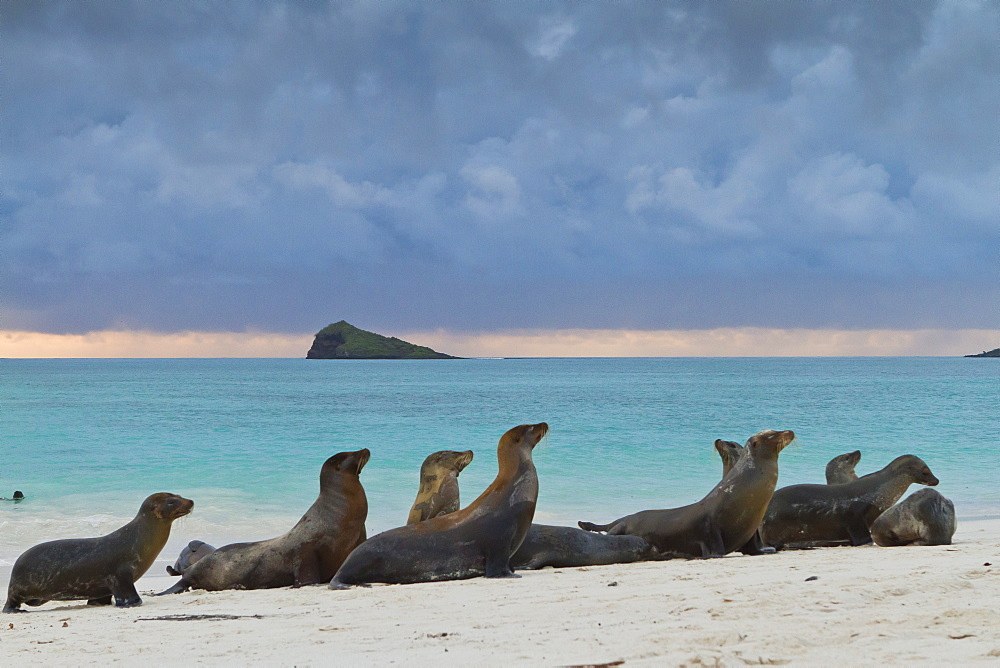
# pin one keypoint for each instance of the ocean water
(87, 440)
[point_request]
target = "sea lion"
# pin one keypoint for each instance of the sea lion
(96, 569)
(840, 469)
(476, 540)
(311, 552)
(725, 519)
(731, 451)
(438, 493)
(191, 554)
(565, 547)
(817, 515)
(923, 518)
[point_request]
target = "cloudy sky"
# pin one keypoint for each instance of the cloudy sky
(473, 168)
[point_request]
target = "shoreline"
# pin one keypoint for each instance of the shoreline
(870, 605)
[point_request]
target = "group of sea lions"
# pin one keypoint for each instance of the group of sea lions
(494, 535)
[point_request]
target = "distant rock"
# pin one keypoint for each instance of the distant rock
(987, 353)
(342, 340)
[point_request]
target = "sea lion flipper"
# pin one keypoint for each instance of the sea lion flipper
(181, 585)
(857, 527)
(755, 546)
(307, 572)
(590, 526)
(714, 545)
(123, 589)
(13, 605)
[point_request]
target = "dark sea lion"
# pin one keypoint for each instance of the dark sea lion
(840, 469)
(565, 547)
(438, 493)
(725, 519)
(476, 540)
(731, 451)
(925, 517)
(310, 553)
(816, 515)
(96, 569)
(191, 554)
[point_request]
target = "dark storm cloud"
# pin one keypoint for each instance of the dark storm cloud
(202, 165)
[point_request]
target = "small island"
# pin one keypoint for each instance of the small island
(987, 353)
(341, 341)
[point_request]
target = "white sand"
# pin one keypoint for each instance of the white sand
(869, 605)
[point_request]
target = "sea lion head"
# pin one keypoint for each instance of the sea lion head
(350, 463)
(852, 458)
(166, 506)
(730, 452)
(769, 443)
(525, 435)
(916, 468)
(449, 460)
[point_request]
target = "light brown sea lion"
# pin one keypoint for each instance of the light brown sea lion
(725, 519)
(96, 569)
(925, 517)
(840, 469)
(438, 493)
(817, 515)
(476, 540)
(731, 451)
(310, 553)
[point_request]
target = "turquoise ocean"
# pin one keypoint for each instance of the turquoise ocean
(87, 440)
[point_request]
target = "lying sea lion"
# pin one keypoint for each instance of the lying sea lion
(438, 493)
(191, 554)
(311, 552)
(725, 519)
(476, 540)
(96, 569)
(565, 547)
(925, 517)
(816, 515)
(840, 469)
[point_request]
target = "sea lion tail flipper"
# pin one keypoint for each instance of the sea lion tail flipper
(181, 585)
(590, 526)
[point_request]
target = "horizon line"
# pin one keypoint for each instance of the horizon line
(517, 343)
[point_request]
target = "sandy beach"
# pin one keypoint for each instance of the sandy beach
(864, 605)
